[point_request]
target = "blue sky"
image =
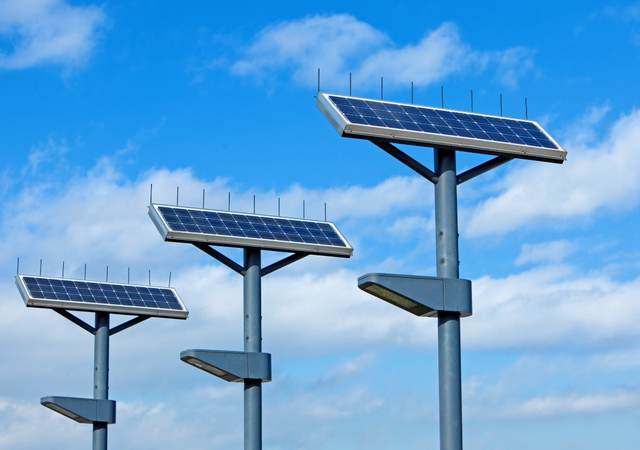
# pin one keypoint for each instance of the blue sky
(99, 100)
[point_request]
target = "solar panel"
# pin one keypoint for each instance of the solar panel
(231, 229)
(436, 127)
(44, 292)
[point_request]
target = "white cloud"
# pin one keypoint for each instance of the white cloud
(550, 405)
(583, 131)
(49, 153)
(551, 305)
(550, 252)
(48, 32)
(411, 225)
(357, 401)
(22, 425)
(100, 217)
(617, 359)
(340, 44)
(549, 384)
(327, 41)
(347, 202)
(596, 177)
(346, 370)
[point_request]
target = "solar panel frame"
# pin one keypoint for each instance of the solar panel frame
(346, 128)
(51, 303)
(171, 235)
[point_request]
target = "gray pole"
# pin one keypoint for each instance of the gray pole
(101, 375)
(252, 343)
(448, 323)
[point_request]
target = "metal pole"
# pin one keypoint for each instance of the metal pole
(252, 343)
(446, 204)
(101, 375)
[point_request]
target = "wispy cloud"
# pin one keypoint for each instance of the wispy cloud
(545, 252)
(341, 43)
(48, 32)
(357, 401)
(347, 369)
(550, 405)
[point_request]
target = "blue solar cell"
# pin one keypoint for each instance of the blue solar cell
(66, 293)
(448, 123)
(250, 226)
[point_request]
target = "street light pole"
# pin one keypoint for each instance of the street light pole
(101, 375)
(447, 263)
(252, 343)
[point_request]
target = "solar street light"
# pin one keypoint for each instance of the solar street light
(447, 131)
(65, 295)
(253, 233)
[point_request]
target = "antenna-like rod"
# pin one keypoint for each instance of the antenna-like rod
(151, 193)
(128, 275)
(169, 279)
(471, 98)
(304, 213)
(350, 84)
(500, 104)
(203, 198)
(177, 195)
(412, 92)
(40, 266)
(149, 277)
(85, 272)
(106, 278)
(278, 206)
(325, 211)
(62, 268)
(442, 95)
(254, 203)
(381, 88)
(318, 80)
(229, 201)
(526, 108)
(18, 266)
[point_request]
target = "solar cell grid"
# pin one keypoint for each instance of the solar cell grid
(454, 124)
(42, 291)
(259, 227)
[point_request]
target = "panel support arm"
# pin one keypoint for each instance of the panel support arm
(482, 168)
(129, 323)
(282, 263)
(230, 263)
(407, 160)
(81, 323)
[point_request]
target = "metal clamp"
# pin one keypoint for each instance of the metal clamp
(82, 410)
(230, 365)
